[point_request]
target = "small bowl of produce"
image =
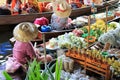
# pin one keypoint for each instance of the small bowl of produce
(90, 39)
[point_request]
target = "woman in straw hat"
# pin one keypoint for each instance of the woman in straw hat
(59, 18)
(23, 49)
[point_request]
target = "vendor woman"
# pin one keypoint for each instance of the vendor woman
(23, 50)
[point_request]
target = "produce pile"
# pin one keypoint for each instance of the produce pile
(98, 28)
(112, 36)
(106, 57)
(78, 37)
(68, 40)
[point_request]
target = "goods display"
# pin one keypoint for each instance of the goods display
(68, 39)
(97, 57)
(91, 60)
(85, 48)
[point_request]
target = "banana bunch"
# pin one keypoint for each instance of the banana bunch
(110, 61)
(99, 24)
(116, 66)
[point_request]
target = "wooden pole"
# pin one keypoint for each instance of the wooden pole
(44, 42)
(106, 18)
(88, 29)
(85, 66)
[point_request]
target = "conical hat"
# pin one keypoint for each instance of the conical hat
(25, 32)
(61, 8)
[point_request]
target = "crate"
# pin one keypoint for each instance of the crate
(89, 63)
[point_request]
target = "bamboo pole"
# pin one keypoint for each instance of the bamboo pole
(85, 66)
(106, 18)
(44, 42)
(88, 30)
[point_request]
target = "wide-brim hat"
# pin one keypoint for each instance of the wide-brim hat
(25, 32)
(61, 8)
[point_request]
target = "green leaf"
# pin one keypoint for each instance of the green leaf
(59, 74)
(45, 76)
(7, 76)
(34, 71)
(30, 78)
(51, 75)
(58, 69)
(52, 67)
(32, 75)
(37, 73)
(41, 77)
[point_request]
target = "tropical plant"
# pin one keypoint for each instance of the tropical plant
(36, 73)
(58, 69)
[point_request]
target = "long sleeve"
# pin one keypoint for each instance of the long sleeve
(30, 51)
(23, 51)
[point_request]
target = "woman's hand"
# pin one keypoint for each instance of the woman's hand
(37, 51)
(48, 58)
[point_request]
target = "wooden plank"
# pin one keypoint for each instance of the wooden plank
(9, 19)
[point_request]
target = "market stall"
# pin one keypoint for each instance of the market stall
(87, 49)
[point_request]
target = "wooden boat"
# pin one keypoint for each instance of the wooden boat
(7, 22)
(9, 19)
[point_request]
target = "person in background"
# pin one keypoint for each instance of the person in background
(59, 19)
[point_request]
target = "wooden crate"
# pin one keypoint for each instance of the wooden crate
(92, 64)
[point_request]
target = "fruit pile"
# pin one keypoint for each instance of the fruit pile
(99, 28)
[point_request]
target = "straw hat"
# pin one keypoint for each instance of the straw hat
(25, 32)
(61, 8)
